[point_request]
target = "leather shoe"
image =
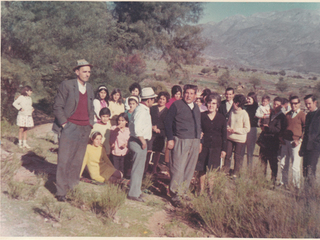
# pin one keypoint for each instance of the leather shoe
(138, 199)
(61, 198)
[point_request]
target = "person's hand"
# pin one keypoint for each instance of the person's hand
(200, 150)
(230, 130)
(112, 146)
(63, 125)
(295, 143)
(223, 154)
(21, 110)
(170, 144)
(143, 142)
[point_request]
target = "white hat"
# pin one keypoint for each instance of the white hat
(148, 93)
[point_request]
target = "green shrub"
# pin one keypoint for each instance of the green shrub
(9, 166)
(247, 208)
(20, 190)
(105, 203)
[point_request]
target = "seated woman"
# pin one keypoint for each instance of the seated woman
(96, 159)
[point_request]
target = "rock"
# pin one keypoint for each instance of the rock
(126, 225)
(116, 219)
(24, 175)
(56, 225)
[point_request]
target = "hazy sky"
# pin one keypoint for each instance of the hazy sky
(217, 11)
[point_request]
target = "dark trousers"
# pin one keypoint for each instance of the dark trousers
(310, 161)
(269, 154)
(238, 156)
(72, 147)
(118, 162)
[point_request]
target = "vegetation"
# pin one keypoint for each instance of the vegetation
(250, 209)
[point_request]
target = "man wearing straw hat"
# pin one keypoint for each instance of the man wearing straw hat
(140, 126)
(73, 110)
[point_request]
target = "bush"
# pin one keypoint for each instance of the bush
(247, 208)
(130, 65)
(104, 204)
(20, 190)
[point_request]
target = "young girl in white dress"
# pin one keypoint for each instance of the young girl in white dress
(24, 119)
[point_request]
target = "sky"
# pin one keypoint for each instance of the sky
(217, 11)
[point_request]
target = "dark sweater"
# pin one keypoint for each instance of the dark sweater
(214, 131)
(81, 116)
(311, 139)
(183, 122)
(157, 118)
(251, 110)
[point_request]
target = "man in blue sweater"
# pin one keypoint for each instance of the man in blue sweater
(183, 130)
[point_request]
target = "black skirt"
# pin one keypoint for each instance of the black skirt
(209, 157)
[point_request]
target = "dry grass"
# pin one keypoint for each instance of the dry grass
(246, 207)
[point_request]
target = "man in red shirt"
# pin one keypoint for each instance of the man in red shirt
(73, 110)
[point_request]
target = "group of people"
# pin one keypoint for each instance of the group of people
(196, 132)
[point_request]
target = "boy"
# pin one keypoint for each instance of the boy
(104, 128)
(133, 102)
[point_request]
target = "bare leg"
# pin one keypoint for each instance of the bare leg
(156, 159)
(147, 162)
(25, 133)
(21, 130)
(202, 178)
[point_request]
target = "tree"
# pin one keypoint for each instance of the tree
(215, 70)
(41, 41)
(224, 80)
(164, 26)
(282, 73)
(255, 82)
(281, 86)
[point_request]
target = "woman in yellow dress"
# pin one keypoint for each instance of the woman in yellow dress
(96, 159)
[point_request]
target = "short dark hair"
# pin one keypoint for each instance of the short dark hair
(175, 89)
(133, 86)
(125, 116)
(277, 99)
(165, 94)
(253, 95)
(294, 97)
(266, 97)
(241, 99)
(206, 92)
(114, 91)
(284, 101)
(190, 86)
(93, 136)
(230, 89)
(25, 89)
(101, 88)
(313, 97)
(104, 111)
(213, 96)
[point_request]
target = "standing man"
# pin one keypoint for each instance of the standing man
(270, 139)
(73, 110)
(226, 105)
(183, 130)
(140, 126)
(292, 138)
(310, 147)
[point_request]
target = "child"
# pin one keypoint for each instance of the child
(115, 105)
(119, 136)
(263, 111)
(24, 119)
(96, 159)
(104, 128)
(133, 102)
(101, 101)
(135, 90)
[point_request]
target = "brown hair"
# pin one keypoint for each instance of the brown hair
(25, 89)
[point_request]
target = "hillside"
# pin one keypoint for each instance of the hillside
(288, 40)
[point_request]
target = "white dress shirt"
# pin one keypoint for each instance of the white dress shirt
(140, 124)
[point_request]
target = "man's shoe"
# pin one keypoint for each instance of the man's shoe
(138, 199)
(61, 198)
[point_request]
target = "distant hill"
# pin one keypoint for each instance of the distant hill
(288, 40)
